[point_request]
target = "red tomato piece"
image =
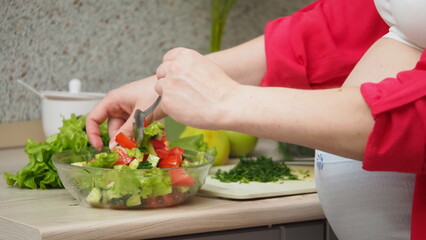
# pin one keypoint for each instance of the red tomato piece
(125, 141)
(124, 158)
(177, 151)
(158, 144)
(161, 143)
(168, 200)
(170, 158)
(180, 177)
(162, 153)
(152, 202)
(165, 140)
(177, 196)
(171, 161)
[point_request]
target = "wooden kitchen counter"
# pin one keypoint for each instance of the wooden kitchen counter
(54, 214)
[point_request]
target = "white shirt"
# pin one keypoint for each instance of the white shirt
(363, 205)
(406, 20)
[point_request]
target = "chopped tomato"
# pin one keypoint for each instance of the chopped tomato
(145, 123)
(168, 200)
(158, 144)
(162, 153)
(180, 177)
(161, 143)
(152, 202)
(171, 161)
(124, 158)
(125, 141)
(171, 158)
(177, 151)
(177, 195)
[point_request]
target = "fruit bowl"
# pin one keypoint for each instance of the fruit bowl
(130, 188)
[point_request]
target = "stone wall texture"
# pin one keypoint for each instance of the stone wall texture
(107, 43)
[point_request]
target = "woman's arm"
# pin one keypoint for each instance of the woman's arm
(385, 58)
(335, 120)
(245, 63)
(198, 93)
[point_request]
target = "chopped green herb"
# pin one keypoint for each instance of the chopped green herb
(261, 169)
(305, 173)
(145, 165)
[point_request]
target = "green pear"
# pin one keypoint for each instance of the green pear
(213, 138)
(241, 144)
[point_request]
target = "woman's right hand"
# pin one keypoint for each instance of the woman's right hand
(118, 107)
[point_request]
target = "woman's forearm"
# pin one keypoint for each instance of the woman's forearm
(333, 120)
(245, 63)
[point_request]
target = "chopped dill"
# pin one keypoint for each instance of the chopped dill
(259, 169)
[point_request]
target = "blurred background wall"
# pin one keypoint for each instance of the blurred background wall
(107, 43)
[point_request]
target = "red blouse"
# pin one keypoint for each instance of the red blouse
(318, 46)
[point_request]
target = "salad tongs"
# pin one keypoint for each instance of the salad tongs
(140, 116)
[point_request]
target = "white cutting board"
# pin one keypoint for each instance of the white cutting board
(214, 188)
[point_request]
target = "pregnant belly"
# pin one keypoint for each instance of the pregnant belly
(361, 204)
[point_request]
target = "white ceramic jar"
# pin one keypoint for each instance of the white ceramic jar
(59, 105)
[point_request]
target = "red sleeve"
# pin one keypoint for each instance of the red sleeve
(319, 45)
(398, 105)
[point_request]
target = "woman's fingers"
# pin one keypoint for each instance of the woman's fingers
(114, 125)
(159, 87)
(120, 126)
(161, 71)
(96, 117)
(174, 53)
(170, 67)
(176, 60)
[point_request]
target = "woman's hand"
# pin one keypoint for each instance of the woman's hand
(118, 107)
(194, 89)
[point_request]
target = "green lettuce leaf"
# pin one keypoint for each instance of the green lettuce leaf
(40, 171)
(155, 129)
(122, 183)
(104, 160)
(135, 152)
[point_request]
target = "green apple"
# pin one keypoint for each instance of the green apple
(213, 138)
(241, 144)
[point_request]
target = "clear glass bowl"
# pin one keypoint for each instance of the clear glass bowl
(130, 188)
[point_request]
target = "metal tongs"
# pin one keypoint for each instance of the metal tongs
(140, 116)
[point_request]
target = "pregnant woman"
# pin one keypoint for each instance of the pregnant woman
(345, 77)
(375, 205)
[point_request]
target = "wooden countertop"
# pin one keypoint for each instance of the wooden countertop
(54, 214)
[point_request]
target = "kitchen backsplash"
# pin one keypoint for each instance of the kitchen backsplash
(107, 43)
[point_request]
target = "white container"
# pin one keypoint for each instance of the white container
(59, 105)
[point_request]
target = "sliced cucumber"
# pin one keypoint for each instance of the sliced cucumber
(134, 164)
(134, 200)
(94, 196)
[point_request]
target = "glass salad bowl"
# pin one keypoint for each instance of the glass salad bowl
(130, 188)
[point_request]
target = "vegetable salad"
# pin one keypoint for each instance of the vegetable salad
(154, 174)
